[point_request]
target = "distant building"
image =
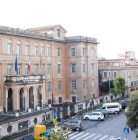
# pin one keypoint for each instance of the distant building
(126, 67)
(63, 73)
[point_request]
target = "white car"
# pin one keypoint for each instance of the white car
(94, 116)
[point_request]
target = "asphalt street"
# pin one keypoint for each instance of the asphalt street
(109, 129)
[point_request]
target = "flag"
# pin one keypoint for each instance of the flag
(16, 65)
(29, 65)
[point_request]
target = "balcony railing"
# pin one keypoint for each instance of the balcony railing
(25, 79)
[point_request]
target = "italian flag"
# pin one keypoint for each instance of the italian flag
(29, 64)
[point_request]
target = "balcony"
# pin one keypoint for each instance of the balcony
(25, 79)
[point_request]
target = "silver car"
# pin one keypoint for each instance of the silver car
(94, 116)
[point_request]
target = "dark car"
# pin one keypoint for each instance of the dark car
(102, 109)
(124, 103)
(28, 137)
(74, 124)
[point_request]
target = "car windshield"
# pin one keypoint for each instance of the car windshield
(102, 108)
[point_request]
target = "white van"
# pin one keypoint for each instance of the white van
(112, 107)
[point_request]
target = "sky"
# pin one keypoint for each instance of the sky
(113, 22)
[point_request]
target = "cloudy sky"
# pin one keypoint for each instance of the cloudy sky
(113, 22)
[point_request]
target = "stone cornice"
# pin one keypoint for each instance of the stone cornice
(42, 36)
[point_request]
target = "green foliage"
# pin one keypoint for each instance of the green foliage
(104, 86)
(119, 86)
(132, 113)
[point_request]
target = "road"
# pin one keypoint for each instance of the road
(109, 129)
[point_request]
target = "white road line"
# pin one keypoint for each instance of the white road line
(104, 137)
(73, 134)
(76, 135)
(89, 137)
(96, 137)
(83, 136)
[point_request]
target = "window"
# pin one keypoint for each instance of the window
(74, 86)
(104, 74)
(9, 69)
(83, 51)
(109, 73)
(60, 100)
(48, 68)
(43, 69)
(9, 47)
(115, 74)
(18, 48)
(48, 51)
(73, 52)
(59, 85)
(73, 68)
(58, 52)
(36, 69)
(26, 49)
(59, 68)
(49, 86)
(42, 51)
(19, 69)
(84, 68)
(58, 32)
(36, 50)
(84, 83)
(26, 69)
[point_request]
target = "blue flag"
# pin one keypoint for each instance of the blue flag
(16, 65)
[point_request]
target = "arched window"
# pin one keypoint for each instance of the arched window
(36, 49)
(26, 48)
(9, 47)
(18, 47)
(42, 51)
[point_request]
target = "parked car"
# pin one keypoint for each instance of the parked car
(94, 116)
(113, 107)
(74, 124)
(105, 112)
(124, 103)
(28, 137)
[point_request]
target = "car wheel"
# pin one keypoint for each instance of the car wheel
(116, 112)
(99, 119)
(86, 118)
(77, 129)
(106, 115)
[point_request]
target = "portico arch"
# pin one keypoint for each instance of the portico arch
(22, 99)
(31, 98)
(10, 100)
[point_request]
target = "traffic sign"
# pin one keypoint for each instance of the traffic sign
(126, 130)
(55, 114)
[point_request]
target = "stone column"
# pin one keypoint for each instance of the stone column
(26, 95)
(15, 99)
(6, 98)
(43, 95)
(35, 97)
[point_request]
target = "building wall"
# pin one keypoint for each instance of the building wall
(65, 59)
(128, 71)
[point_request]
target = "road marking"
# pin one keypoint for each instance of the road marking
(83, 136)
(89, 136)
(73, 134)
(76, 135)
(103, 138)
(96, 137)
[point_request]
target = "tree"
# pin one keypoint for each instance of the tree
(132, 113)
(104, 86)
(119, 86)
